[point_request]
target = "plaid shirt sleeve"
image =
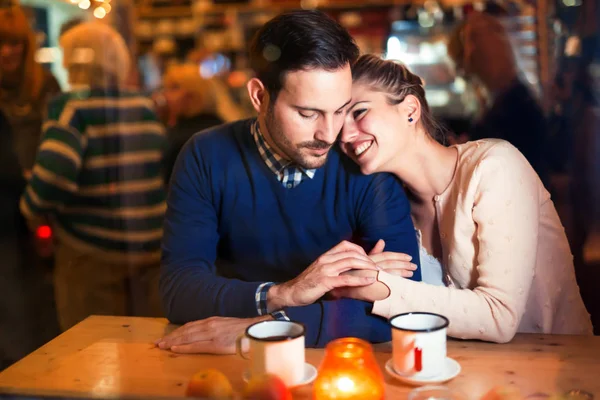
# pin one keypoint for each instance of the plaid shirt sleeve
(261, 302)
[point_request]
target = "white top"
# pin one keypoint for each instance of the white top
(432, 271)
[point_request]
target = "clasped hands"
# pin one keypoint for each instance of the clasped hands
(344, 271)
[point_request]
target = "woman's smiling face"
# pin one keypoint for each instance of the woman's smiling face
(374, 131)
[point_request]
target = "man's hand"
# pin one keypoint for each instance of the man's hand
(325, 274)
(215, 335)
(393, 263)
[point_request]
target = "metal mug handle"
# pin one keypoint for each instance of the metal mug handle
(238, 346)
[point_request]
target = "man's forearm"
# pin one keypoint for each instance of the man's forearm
(191, 294)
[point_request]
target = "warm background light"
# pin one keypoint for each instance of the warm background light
(99, 13)
(349, 371)
(85, 4)
(98, 8)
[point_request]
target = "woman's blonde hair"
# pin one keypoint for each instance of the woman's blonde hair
(14, 25)
(203, 94)
(396, 81)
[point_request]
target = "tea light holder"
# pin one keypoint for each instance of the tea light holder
(349, 371)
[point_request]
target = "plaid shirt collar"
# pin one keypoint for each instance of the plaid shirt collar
(289, 174)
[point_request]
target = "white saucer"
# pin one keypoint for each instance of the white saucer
(310, 373)
(451, 370)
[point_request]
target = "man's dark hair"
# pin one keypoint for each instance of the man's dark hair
(299, 40)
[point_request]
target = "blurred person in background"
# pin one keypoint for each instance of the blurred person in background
(98, 176)
(192, 103)
(25, 86)
(27, 317)
(573, 146)
(481, 50)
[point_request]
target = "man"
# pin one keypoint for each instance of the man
(98, 178)
(257, 201)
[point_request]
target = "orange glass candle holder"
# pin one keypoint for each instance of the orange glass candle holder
(349, 371)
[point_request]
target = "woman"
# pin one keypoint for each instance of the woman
(98, 175)
(482, 214)
(193, 108)
(26, 296)
(25, 86)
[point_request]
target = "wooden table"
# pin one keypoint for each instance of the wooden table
(114, 356)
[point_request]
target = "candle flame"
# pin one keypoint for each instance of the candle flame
(345, 384)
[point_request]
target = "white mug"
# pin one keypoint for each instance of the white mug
(419, 344)
(276, 347)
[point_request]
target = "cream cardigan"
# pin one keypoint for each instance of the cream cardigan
(506, 258)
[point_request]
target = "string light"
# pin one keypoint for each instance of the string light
(99, 13)
(101, 8)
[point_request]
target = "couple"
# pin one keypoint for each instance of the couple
(270, 218)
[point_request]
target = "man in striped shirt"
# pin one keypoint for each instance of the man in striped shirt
(98, 179)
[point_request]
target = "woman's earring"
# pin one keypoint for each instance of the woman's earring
(410, 119)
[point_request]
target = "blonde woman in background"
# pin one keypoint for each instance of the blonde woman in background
(98, 176)
(194, 104)
(25, 86)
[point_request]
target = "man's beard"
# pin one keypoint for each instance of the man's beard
(291, 151)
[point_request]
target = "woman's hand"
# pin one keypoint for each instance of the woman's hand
(392, 263)
(371, 293)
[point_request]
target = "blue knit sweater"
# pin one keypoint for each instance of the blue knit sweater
(230, 226)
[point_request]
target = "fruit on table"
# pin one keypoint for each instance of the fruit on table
(266, 387)
(503, 393)
(209, 383)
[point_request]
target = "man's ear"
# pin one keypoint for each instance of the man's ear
(258, 94)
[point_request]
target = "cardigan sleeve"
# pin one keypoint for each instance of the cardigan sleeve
(506, 213)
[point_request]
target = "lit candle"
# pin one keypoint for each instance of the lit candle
(349, 371)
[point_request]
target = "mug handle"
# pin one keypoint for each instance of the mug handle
(238, 346)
